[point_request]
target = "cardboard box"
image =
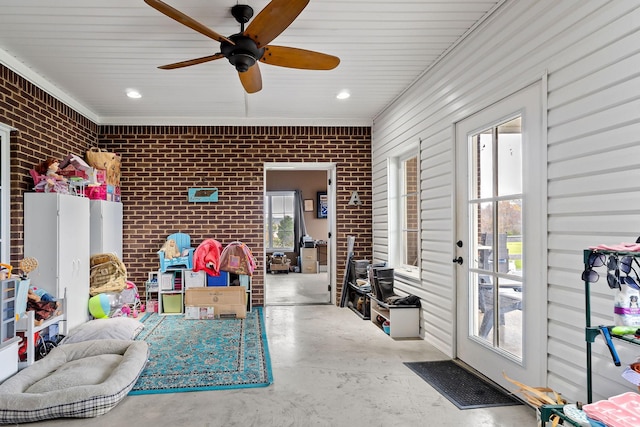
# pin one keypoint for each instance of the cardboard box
(199, 313)
(279, 267)
(228, 302)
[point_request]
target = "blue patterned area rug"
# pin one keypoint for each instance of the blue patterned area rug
(196, 355)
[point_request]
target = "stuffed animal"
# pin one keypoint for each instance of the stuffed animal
(32, 296)
(170, 249)
(40, 293)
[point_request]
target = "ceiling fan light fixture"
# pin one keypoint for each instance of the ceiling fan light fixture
(242, 61)
(343, 94)
(243, 54)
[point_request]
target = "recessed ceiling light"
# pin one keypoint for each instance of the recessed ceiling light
(131, 93)
(343, 95)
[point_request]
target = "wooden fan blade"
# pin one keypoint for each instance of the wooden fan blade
(191, 62)
(292, 57)
(186, 20)
(251, 79)
(274, 19)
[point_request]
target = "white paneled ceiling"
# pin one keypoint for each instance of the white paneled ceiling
(89, 52)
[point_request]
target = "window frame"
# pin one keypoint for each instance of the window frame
(5, 192)
(268, 220)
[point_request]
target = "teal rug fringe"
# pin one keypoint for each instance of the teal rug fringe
(197, 355)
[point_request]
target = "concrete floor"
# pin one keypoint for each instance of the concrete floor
(296, 288)
(330, 368)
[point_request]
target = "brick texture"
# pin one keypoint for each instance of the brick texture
(160, 163)
(45, 127)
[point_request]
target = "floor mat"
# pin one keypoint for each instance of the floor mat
(463, 388)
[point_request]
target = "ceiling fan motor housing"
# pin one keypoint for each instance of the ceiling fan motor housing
(243, 54)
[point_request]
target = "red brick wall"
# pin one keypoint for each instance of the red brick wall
(45, 127)
(160, 163)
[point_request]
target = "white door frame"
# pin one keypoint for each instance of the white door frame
(331, 216)
(5, 195)
(493, 364)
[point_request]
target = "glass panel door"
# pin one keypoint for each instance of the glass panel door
(500, 239)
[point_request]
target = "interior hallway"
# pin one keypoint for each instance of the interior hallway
(330, 368)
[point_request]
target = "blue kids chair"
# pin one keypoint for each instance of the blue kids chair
(185, 260)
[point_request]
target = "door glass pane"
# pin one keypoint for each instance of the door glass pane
(484, 306)
(510, 225)
(482, 214)
(510, 317)
(477, 302)
(482, 155)
(510, 158)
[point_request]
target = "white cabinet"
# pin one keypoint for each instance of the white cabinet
(56, 233)
(106, 227)
(404, 320)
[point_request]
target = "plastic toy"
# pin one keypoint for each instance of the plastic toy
(105, 305)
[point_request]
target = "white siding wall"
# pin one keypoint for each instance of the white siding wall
(591, 52)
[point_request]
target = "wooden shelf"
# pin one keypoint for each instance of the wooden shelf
(355, 293)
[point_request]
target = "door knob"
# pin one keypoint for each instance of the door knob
(458, 260)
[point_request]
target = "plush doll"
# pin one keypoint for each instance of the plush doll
(43, 309)
(41, 294)
(52, 182)
(170, 249)
(32, 296)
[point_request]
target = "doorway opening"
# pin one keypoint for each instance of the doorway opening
(299, 220)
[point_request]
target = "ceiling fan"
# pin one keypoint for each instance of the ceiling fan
(246, 48)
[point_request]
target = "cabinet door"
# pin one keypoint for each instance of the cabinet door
(40, 238)
(106, 227)
(73, 257)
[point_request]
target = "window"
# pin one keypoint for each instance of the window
(409, 213)
(279, 219)
(404, 212)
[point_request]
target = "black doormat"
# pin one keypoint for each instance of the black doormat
(464, 389)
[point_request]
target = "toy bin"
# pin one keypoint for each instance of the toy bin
(172, 303)
(221, 280)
